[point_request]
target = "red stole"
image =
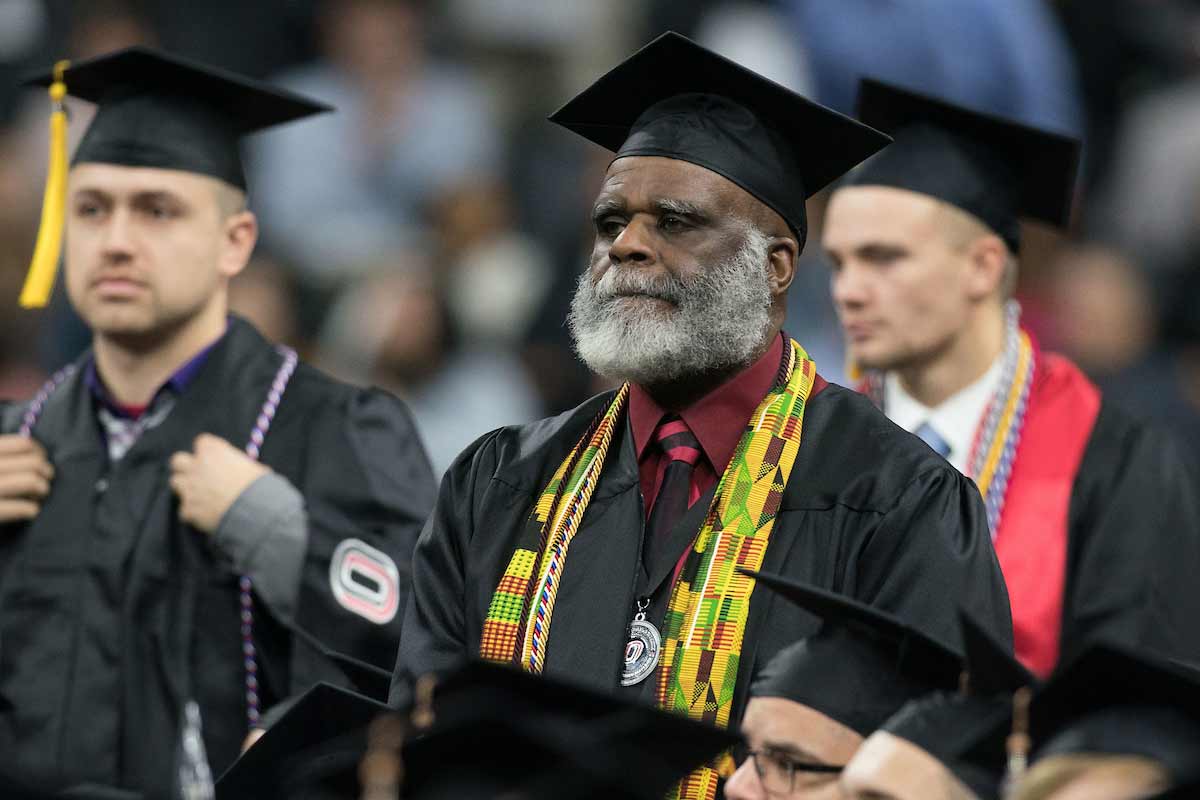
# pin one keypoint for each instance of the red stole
(1031, 542)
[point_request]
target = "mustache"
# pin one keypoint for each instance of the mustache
(632, 282)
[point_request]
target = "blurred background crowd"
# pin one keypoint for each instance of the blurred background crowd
(427, 237)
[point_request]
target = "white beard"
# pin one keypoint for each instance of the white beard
(718, 320)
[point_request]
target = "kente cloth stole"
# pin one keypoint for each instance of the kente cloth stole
(710, 601)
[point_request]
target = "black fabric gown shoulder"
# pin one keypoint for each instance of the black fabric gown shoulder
(869, 510)
(1133, 555)
(113, 612)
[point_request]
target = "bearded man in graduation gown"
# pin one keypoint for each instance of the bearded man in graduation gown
(1094, 514)
(601, 545)
(182, 497)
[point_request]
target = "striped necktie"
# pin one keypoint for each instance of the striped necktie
(675, 494)
(931, 437)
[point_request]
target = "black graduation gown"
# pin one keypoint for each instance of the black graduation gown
(869, 511)
(1133, 549)
(113, 612)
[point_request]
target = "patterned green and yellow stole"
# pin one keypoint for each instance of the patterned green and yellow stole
(710, 600)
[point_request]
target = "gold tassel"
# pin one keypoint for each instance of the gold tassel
(1019, 742)
(854, 373)
(39, 282)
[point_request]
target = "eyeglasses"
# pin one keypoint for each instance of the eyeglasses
(778, 773)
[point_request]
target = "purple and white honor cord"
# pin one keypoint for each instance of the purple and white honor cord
(38, 403)
(257, 436)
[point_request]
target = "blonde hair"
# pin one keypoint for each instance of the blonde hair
(962, 228)
(230, 199)
(1052, 773)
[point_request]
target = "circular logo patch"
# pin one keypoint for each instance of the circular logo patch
(365, 581)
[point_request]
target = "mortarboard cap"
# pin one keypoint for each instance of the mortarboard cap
(366, 678)
(861, 666)
(153, 110)
(991, 667)
(159, 110)
(494, 730)
(996, 169)
(676, 99)
(1114, 700)
(967, 731)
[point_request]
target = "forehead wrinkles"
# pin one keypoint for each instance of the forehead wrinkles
(638, 180)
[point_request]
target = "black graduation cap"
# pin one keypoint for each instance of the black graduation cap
(154, 110)
(494, 730)
(966, 730)
(1112, 699)
(160, 110)
(368, 679)
(861, 666)
(325, 731)
(676, 99)
(996, 169)
(991, 667)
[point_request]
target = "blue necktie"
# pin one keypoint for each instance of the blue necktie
(934, 439)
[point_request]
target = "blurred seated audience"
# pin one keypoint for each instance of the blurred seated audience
(355, 184)
(392, 329)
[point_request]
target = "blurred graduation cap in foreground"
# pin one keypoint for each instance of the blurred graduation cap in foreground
(494, 731)
(966, 731)
(861, 666)
(1113, 700)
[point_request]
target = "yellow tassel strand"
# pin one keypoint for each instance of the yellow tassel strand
(39, 282)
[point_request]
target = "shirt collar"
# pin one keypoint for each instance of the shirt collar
(176, 384)
(955, 420)
(719, 418)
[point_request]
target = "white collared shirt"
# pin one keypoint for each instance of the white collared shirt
(955, 420)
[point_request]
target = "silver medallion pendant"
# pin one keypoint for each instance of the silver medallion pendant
(641, 652)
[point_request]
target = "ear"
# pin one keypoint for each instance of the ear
(239, 234)
(987, 256)
(781, 261)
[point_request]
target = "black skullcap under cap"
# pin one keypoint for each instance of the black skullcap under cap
(1118, 701)
(995, 169)
(861, 666)
(160, 110)
(676, 99)
(967, 732)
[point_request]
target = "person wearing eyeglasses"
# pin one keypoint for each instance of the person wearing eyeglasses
(815, 702)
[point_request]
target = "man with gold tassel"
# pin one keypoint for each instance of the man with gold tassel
(1094, 514)
(181, 499)
(602, 545)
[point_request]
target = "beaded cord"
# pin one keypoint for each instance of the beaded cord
(245, 588)
(38, 403)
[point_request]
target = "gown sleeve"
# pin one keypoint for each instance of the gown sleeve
(435, 625)
(367, 489)
(932, 554)
(10, 416)
(1134, 550)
